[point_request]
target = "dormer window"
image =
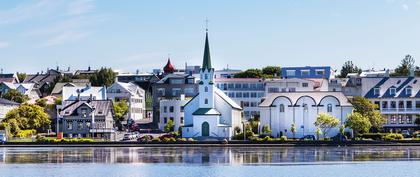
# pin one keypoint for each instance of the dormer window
(376, 91)
(392, 91)
(408, 91)
(206, 77)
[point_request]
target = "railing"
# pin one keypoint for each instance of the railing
(417, 110)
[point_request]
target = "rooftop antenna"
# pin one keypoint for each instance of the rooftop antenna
(1, 71)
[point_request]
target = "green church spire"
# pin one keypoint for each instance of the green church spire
(206, 58)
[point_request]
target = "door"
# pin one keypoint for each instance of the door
(205, 129)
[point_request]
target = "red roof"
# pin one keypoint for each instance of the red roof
(169, 68)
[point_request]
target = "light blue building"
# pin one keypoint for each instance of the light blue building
(323, 72)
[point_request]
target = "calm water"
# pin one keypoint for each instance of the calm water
(203, 162)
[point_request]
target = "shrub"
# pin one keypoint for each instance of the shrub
(267, 138)
(394, 136)
(181, 139)
(240, 136)
(190, 139)
(283, 138)
(373, 136)
(25, 133)
(169, 140)
(156, 140)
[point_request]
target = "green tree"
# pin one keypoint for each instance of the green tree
(41, 102)
(266, 130)
(318, 133)
(359, 123)
(103, 77)
(169, 126)
(58, 100)
(16, 96)
(249, 73)
(21, 76)
(349, 67)
(120, 110)
(271, 71)
(406, 65)
(26, 117)
(368, 109)
(326, 122)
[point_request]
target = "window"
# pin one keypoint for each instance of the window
(161, 92)
(206, 76)
(84, 112)
(253, 94)
(377, 103)
(409, 119)
(393, 104)
(273, 90)
(401, 104)
(417, 104)
(206, 101)
(231, 94)
(245, 104)
(375, 91)
(409, 104)
(320, 72)
(246, 94)
(254, 104)
(245, 86)
(305, 72)
(392, 91)
(206, 89)
(400, 119)
(79, 125)
(176, 91)
(329, 108)
(290, 72)
(69, 125)
(238, 86)
(190, 81)
(253, 86)
(189, 91)
(384, 104)
(260, 94)
(88, 125)
(408, 91)
(182, 120)
(165, 109)
(292, 89)
(305, 84)
(230, 86)
(393, 119)
(165, 120)
(281, 108)
(177, 81)
(238, 95)
(171, 109)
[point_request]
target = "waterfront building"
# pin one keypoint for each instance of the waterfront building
(43, 81)
(6, 106)
(280, 110)
(87, 118)
(398, 99)
(172, 109)
(324, 72)
(246, 92)
(210, 113)
(133, 94)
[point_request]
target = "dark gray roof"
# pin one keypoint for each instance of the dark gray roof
(8, 102)
(102, 107)
(8, 78)
(173, 76)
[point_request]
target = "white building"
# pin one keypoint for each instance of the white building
(210, 113)
(295, 85)
(5, 107)
(246, 92)
(84, 93)
(280, 110)
(133, 94)
(172, 109)
(225, 73)
(398, 99)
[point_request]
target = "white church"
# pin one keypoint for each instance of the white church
(210, 113)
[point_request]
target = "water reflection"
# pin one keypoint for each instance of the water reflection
(207, 155)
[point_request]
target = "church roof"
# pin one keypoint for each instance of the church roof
(206, 58)
(169, 68)
(206, 111)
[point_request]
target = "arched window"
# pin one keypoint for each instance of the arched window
(329, 108)
(206, 89)
(206, 101)
(281, 108)
(206, 76)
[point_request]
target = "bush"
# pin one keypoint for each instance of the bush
(181, 139)
(267, 138)
(283, 138)
(190, 139)
(240, 136)
(169, 140)
(156, 140)
(41, 139)
(25, 133)
(394, 136)
(373, 136)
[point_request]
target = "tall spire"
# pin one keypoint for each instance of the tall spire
(206, 58)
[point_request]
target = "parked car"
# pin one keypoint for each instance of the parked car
(308, 137)
(130, 136)
(406, 134)
(2, 138)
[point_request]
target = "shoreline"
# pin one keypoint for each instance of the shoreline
(216, 144)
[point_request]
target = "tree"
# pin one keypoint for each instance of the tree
(271, 71)
(368, 109)
(16, 96)
(58, 100)
(120, 109)
(169, 126)
(318, 133)
(103, 77)
(266, 130)
(359, 123)
(26, 117)
(326, 122)
(293, 130)
(41, 102)
(342, 129)
(406, 65)
(21, 76)
(249, 73)
(349, 67)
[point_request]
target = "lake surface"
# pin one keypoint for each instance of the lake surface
(203, 162)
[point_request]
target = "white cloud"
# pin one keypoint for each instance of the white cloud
(80, 7)
(28, 10)
(65, 37)
(405, 7)
(4, 44)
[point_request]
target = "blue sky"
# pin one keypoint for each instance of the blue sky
(138, 34)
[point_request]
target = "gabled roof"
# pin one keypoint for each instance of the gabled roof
(8, 102)
(173, 76)
(102, 107)
(9, 78)
(385, 84)
(129, 87)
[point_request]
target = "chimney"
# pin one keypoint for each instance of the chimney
(68, 68)
(387, 73)
(58, 68)
(411, 73)
(89, 68)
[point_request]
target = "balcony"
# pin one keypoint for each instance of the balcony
(400, 110)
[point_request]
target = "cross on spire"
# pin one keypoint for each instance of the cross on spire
(207, 24)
